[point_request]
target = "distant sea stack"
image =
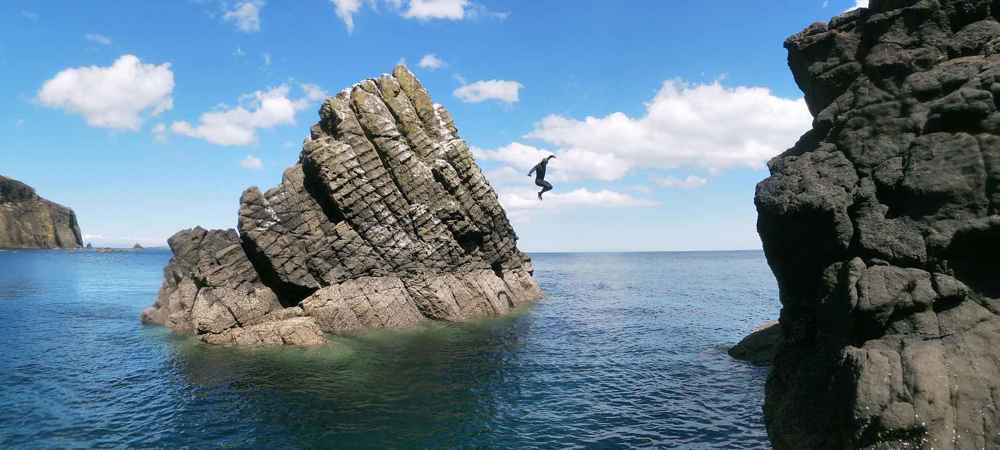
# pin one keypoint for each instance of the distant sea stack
(881, 226)
(386, 221)
(29, 221)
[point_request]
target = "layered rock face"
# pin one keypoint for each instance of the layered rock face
(386, 221)
(30, 221)
(881, 227)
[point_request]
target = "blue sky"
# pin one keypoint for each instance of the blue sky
(150, 117)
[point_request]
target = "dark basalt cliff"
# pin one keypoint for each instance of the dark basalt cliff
(881, 227)
(29, 221)
(386, 221)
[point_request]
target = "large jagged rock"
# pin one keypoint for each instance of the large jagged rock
(881, 228)
(386, 221)
(30, 221)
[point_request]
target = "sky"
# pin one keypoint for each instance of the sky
(150, 117)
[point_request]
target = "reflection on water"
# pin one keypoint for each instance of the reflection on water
(626, 351)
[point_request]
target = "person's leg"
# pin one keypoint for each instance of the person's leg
(546, 186)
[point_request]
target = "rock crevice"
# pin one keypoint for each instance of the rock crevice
(384, 222)
(881, 227)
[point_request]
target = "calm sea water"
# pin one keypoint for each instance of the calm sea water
(626, 351)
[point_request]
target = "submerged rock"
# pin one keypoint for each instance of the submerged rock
(881, 226)
(386, 221)
(30, 221)
(760, 346)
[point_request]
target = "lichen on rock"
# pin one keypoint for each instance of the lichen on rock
(881, 226)
(386, 221)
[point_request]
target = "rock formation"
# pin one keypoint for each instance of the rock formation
(386, 221)
(760, 345)
(29, 221)
(881, 228)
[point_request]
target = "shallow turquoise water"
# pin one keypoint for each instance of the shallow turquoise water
(626, 351)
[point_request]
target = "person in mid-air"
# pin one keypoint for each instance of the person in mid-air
(539, 171)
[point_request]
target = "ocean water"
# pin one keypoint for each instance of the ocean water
(626, 351)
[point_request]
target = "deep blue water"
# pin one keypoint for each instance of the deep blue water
(626, 351)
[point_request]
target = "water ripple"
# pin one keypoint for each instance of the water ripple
(626, 351)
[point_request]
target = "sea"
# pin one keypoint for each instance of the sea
(626, 350)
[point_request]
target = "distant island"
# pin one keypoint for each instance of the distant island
(30, 221)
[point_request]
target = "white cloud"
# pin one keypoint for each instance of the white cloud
(422, 10)
(313, 92)
(526, 199)
(858, 4)
(501, 90)
(346, 9)
(436, 9)
(251, 162)
(267, 59)
(246, 16)
(430, 61)
(258, 110)
(97, 38)
(112, 97)
(691, 182)
(706, 126)
(160, 133)
(239, 53)
(569, 165)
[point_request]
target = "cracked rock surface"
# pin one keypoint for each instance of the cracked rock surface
(881, 226)
(385, 221)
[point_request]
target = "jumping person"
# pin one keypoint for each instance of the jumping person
(539, 171)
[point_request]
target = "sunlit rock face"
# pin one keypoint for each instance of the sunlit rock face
(30, 221)
(386, 221)
(881, 226)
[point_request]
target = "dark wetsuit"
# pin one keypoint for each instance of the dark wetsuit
(539, 171)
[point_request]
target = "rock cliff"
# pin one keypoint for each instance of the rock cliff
(385, 221)
(881, 228)
(29, 221)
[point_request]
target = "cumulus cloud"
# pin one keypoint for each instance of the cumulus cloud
(245, 15)
(258, 110)
(346, 9)
(500, 90)
(430, 61)
(526, 199)
(114, 97)
(691, 182)
(858, 4)
(97, 38)
(706, 126)
(251, 162)
(422, 10)
(313, 92)
(436, 9)
(572, 164)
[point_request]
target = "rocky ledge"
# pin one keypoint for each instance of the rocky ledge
(30, 221)
(881, 228)
(760, 345)
(386, 221)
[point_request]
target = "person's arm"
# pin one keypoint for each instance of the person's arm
(532, 172)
